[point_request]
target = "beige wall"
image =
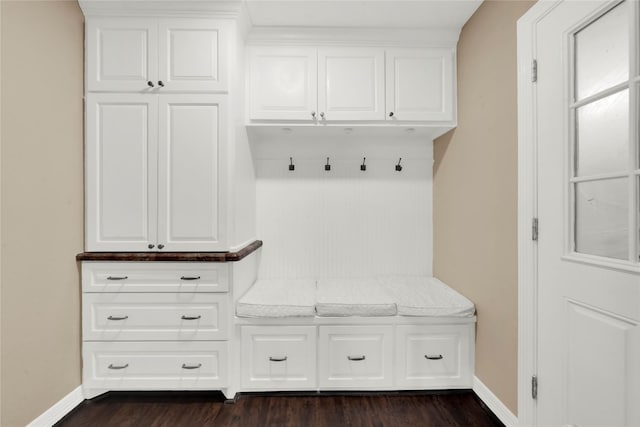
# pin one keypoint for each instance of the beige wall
(475, 191)
(42, 205)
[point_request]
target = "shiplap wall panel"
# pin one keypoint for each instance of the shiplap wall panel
(345, 222)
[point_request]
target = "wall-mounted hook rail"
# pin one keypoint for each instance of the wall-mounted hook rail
(398, 167)
(363, 167)
(327, 167)
(292, 167)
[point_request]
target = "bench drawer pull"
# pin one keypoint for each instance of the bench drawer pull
(112, 366)
(277, 359)
(185, 366)
(117, 277)
(356, 358)
(118, 317)
(191, 317)
(433, 356)
(190, 278)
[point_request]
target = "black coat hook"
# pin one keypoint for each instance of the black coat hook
(292, 167)
(398, 167)
(327, 167)
(363, 167)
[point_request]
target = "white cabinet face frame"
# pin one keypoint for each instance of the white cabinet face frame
(351, 83)
(283, 84)
(420, 84)
(155, 56)
(120, 172)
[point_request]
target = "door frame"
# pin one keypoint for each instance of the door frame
(528, 210)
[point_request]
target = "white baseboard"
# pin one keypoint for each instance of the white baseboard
(59, 410)
(497, 407)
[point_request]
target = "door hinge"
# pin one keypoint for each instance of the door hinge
(534, 387)
(534, 71)
(534, 229)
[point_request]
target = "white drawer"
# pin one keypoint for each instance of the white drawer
(435, 356)
(153, 316)
(154, 365)
(355, 356)
(109, 276)
(280, 357)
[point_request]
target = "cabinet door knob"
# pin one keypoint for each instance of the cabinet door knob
(391, 114)
(313, 114)
(151, 246)
(322, 114)
(118, 317)
(160, 246)
(185, 366)
(356, 358)
(150, 83)
(190, 278)
(433, 356)
(112, 366)
(160, 83)
(117, 277)
(185, 317)
(278, 359)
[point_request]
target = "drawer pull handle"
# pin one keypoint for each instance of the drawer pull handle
(118, 317)
(112, 366)
(433, 357)
(191, 317)
(356, 358)
(117, 277)
(277, 359)
(185, 366)
(190, 278)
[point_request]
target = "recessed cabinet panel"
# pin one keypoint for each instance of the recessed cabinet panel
(193, 55)
(120, 172)
(283, 84)
(351, 84)
(189, 144)
(121, 54)
(420, 84)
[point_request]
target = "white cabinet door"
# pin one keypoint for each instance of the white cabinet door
(283, 84)
(190, 140)
(121, 54)
(420, 84)
(192, 55)
(121, 168)
(351, 84)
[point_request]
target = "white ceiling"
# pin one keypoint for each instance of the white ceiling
(362, 14)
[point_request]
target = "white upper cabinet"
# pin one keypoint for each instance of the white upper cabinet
(351, 84)
(283, 84)
(154, 172)
(156, 55)
(420, 84)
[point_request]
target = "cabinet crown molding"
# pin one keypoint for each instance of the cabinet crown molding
(159, 8)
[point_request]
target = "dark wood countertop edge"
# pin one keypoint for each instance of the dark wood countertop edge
(172, 256)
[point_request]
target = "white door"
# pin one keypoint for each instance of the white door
(420, 84)
(122, 54)
(191, 141)
(283, 84)
(588, 190)
(121, 167)
(351, 84)
(192, 55)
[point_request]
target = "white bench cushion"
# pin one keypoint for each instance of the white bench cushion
(279, 298)
(426, 296)
(353, 297)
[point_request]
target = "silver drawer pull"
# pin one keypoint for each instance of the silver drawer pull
(191, 317)
(117, 277)
(185, 366)
(112, 366)
(356, 358)
(277, 359)
(118, 317)
(433, 356)
(190, 278)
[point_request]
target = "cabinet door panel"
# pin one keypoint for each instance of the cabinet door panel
(120, 172)
(190, 141)
(192, 55)
(420, 84)
(351, 83)
(121, 54)
(283, 83)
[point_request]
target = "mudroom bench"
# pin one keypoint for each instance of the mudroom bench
(403, 333)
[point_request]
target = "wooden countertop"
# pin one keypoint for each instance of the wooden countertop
(171, 256)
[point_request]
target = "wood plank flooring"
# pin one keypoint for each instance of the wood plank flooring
(188, 409)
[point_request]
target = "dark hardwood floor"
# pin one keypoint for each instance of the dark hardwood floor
(307, 410)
